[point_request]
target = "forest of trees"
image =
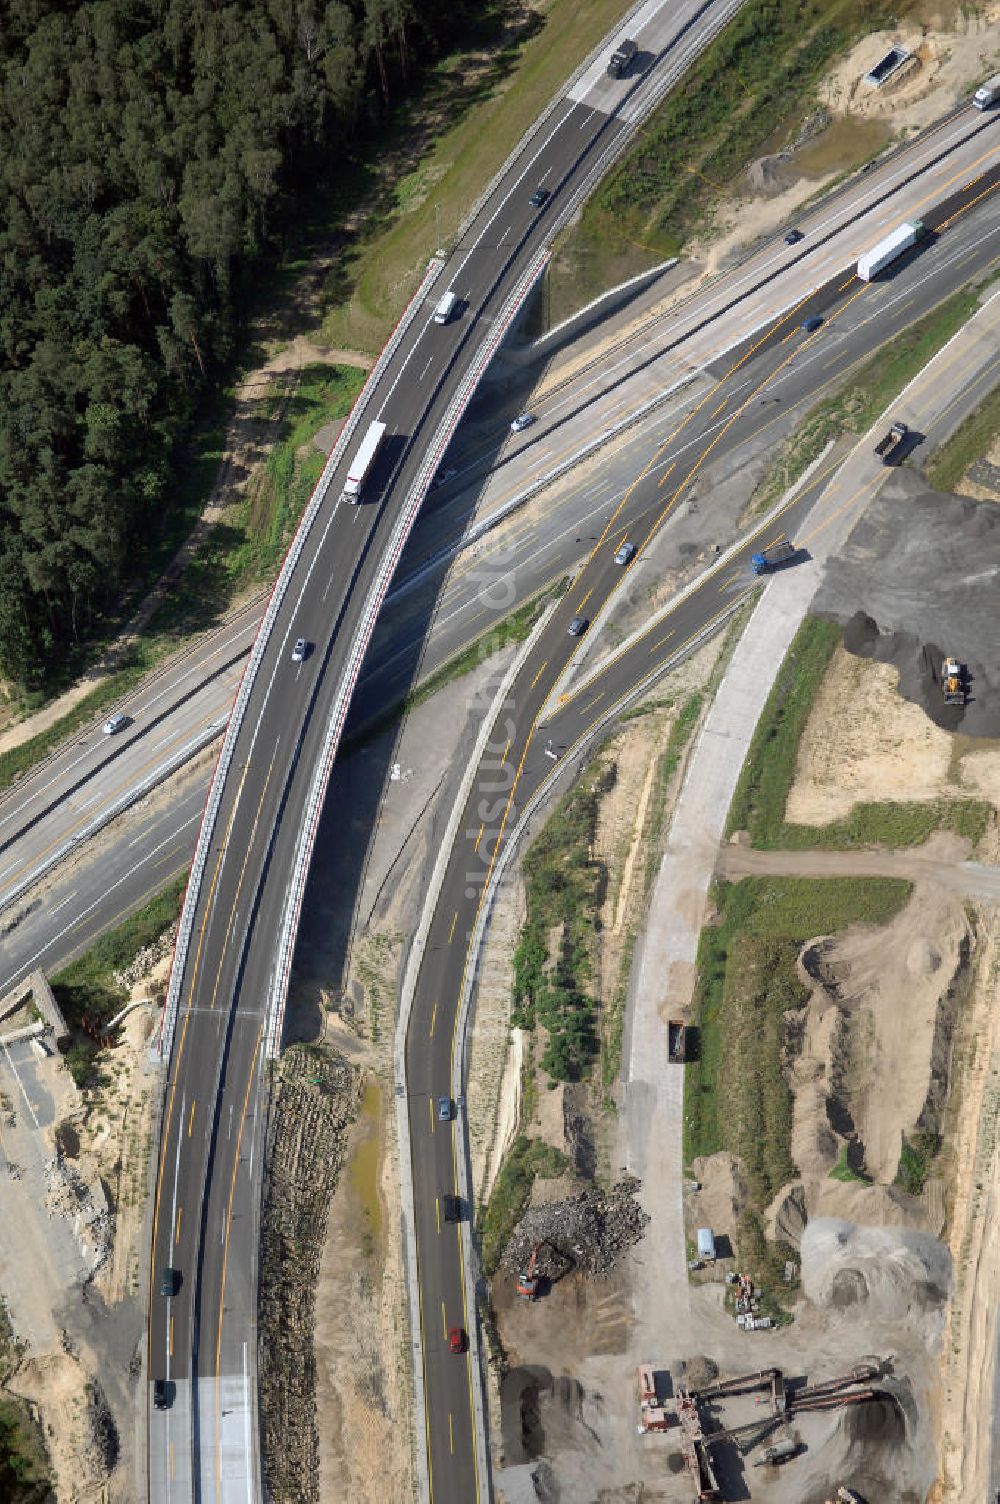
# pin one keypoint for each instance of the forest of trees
(149, 152)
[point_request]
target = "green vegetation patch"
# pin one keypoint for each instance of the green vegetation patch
(24, 1465)
(565, 887)
(969, 442)
(844, 1170)
(766, 778)
(528, 1157)
(87, 986)
(915, 1160)
(736, 1097)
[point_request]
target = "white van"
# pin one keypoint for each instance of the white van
(446, 307)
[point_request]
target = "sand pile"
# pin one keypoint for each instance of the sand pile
(894, 1273)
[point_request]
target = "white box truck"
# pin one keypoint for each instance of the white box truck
(988, 93)
(889, 250)
(446, 307)
(363, 461)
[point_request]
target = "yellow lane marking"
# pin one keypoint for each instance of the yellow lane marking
(539, 674)
(239, 886)
(191, 1117)
(437, 1208)
(481, 829)
(451, 932)
(451, 1434)
(430, 1109)
(172, 1473)
(668, 472)
(434, 1019)
(505, 751)
(845, 285)
(225, 1262)
(444, 1323)
(661, 642)
(177, 1228)
(170, 1344)
(180, 1051)
(586, 598)
(720, 407)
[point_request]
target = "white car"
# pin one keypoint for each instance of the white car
(115, 723)
(300, 652)
(522, 421)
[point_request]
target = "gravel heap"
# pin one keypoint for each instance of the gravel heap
(144, 961)
(589, 1231)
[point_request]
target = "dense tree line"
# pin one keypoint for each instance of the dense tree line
(149, 149)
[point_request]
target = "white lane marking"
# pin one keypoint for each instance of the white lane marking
(423, 373)
(50, 944)
(68, 899)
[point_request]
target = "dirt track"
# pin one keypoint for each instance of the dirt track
(939, 860)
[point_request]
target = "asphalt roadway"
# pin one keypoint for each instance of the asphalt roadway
(202, 1323)
(540, 728)
(182, 708)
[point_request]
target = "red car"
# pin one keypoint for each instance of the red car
(456, 1339)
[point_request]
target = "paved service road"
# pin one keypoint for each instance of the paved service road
(202, 1325)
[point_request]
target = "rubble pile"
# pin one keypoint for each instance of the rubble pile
(316, 1100)
(149, 957)
(590, 1231)
(84, 1206)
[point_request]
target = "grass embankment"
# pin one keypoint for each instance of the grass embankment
(527, 1158)
(866, 393)
(564, 889)
(87, 986)
(613, 1019)
(247, 547)
(493, 97)
(762, 791)
(736, 1096)
(748, 93)
(968, 443)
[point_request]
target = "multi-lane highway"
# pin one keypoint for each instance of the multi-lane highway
(542, 723)
(202, 1327)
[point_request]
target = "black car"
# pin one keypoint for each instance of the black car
(539, 198)
(578, 626)
(812, 323)
(161, 1394)
(168, 1281)
(452, 1208)
(793, 237)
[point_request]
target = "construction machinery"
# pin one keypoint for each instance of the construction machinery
(533, 1282)
(953, 681)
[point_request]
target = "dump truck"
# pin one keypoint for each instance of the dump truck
(362, 462)
(621, 58)
(988, 93)
(770, 558)
(676, 1040)
(888, 447)
(953, 681)
(902, 238)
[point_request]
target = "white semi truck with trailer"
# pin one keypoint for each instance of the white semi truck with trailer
(363, 461)
(902, 238)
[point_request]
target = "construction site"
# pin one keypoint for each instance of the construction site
(762, 1420)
